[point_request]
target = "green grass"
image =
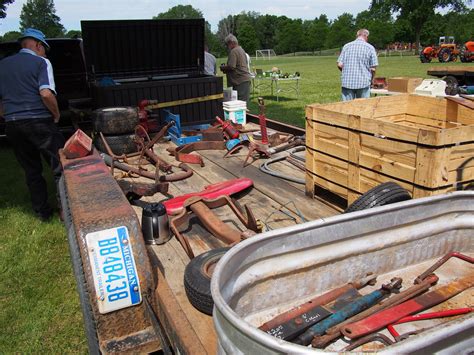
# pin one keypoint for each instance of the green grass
(320, 82)
(39, 305)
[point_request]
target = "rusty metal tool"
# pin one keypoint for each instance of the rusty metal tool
(293, 322)
(413, 291)
(431, 315)
(368, 339)
(392, 315)
(452, 254)
(135, 190)
(201, 208)
(348, 311)
(174, 205)
(182, 153)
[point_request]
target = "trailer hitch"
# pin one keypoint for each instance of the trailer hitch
(201, 208)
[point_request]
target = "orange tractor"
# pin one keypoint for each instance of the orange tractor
(446, 51)
(467, 52)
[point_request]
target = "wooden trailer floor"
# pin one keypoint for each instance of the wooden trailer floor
(186, 327)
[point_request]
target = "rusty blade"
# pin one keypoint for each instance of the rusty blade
(182, 153)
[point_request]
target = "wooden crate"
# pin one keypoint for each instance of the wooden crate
(425, 144)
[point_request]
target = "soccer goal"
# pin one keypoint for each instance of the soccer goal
(264, 53)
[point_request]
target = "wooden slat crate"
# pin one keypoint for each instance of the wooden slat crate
(425, 144)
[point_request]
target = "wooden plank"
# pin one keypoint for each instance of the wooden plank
(277, 189)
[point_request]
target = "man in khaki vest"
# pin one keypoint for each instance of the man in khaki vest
(236, 69)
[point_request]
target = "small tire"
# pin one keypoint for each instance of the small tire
(115, 120)
(452, 85)
(120, 144)
(90, 326)
(381, 195)
(197, 279)
(424, 58)
(445, 55)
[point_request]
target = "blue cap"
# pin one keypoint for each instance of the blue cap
(36, 34)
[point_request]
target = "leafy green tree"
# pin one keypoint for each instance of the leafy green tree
(41, 14)
(317, 33)
(460, 25)
(379, 23)
(3, 7)
(247, 37)
(290, 37)
(226, 26)
(180, 12)
(342, 31)
(266, 27)
(11, 36)
(418, 12)
(73, 34)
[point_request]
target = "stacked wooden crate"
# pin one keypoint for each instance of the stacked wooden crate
(425, 144)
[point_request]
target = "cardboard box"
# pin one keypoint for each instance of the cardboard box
(403, 84)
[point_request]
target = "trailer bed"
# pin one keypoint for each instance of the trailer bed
(181, 321)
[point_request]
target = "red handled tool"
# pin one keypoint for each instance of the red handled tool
(228, 129)
(392, 315)
(175, 205)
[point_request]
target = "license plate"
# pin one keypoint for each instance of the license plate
(115, 275)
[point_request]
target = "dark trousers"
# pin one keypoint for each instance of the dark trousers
(32, 139)
(243, 91)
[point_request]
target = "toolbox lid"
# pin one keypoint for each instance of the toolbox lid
(138, 48)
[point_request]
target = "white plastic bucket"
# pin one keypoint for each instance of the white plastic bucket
(235, 111)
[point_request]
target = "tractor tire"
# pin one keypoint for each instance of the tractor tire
(445, 55)
(120, 144)
(115, 120)
(381, 195)
(424, 58)
(90, 326)
(452, 85)
(197, 279)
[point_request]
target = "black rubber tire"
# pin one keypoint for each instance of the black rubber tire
(424, 58)
(452, 85)
(445, 55)
(381, 195)
(120, 144)
(115, 120)
(197, 281)
(90, 326)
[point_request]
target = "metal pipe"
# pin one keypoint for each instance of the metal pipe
(452, 254)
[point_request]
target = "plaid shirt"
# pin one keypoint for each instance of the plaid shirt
(357, 57)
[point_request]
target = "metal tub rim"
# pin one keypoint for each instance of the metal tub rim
(224, 311)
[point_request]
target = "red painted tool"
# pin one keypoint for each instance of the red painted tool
(262, 120)
(230, 187)
(228, 129)
(78, 145)
(392, 315)
(432, 315)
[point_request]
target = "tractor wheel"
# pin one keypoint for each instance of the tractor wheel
(425, 58)
(452, 85)
(445, 55)
(463, 55)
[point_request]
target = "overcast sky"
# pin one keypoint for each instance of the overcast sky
(72, 12)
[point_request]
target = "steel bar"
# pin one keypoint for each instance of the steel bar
(314, 302)
(452, 254)
(335, 332)
(368, 339)
(392, 315)
(348, 311)
(431, 315)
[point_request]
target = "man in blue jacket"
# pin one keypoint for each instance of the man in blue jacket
(30, 110)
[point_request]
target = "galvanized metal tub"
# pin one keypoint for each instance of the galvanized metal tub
(267, 275)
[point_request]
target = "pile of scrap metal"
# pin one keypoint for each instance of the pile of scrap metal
(232, 137)
(344, 312)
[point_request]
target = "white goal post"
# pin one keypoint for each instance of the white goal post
(264, 53)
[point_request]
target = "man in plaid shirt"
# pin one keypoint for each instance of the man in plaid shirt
(357, 62)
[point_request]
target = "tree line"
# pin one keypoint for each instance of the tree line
(388, 21)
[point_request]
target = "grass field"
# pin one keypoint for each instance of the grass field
(39, 307)
(320, 82)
